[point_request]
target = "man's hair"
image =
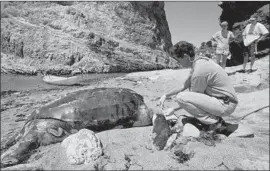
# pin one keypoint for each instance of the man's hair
(181, 48)
(253, 16)
(224, 23)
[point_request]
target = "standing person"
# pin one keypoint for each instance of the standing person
(211, 96)
(222, 38)
(254, 28)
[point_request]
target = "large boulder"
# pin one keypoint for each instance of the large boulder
(86, 37)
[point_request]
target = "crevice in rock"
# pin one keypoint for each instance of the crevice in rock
(98, 166)
(222, 164)
(182, 157)
(128, 163)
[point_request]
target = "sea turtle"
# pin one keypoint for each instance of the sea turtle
(95, 109)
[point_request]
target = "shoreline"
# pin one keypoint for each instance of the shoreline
(14, 82)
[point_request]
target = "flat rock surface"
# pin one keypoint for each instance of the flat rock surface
(128, 149)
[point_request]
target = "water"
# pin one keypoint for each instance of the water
(11, 82)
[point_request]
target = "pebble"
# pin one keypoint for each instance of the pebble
(190, 131)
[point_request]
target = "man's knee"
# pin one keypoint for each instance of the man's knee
(245, 58)
(183, 97)
(252, 59)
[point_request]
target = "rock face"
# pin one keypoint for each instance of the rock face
(75, 37)
(238, 11)
(237, 15)
(82, 147)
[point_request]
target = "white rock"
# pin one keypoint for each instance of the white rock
(170, 141)
(82, 147)
(242, 131)
(190, 131)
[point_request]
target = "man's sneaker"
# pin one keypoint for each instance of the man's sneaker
(209, 119)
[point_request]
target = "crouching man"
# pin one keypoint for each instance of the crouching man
(211, 96)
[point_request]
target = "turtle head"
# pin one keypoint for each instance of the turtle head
(34, 133)
(144, 116)
(25, 140)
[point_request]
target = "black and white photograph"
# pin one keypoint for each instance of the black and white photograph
(135, 85)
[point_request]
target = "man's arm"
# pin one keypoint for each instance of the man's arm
(214, 37)
(186, 85)
(244, 33)
(231, 37)
(176, 91)
(263, 32)
(198, 84)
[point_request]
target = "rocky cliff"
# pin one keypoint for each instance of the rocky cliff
(84, 37)
(237, 15)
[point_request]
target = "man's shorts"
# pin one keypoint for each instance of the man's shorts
(222, 51)
(249, 50)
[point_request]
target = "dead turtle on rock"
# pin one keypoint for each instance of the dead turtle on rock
(95, 109)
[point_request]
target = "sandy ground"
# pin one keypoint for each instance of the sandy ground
(127, 149)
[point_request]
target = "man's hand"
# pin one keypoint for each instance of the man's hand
(256, 41)
(161, 101)
(260, 38)
(169, 111)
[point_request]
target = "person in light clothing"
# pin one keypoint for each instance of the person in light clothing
(211, 96)
(222, 39)
(254, 28)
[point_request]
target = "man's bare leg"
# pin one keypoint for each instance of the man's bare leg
(218, 57)
(224, 60)
(205, 108)
(252, 54)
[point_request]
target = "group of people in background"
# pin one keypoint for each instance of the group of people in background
(224, 37)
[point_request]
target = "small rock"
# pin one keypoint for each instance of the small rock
(190, 131)
(222, 136)
(170, 141)
(178, 127)
(182, 140)
(76, 71)
(82, 147)
(242, 131)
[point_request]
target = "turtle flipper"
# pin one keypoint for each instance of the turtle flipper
(11, 141)
(56, 132)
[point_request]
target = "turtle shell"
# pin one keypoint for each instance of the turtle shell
(92, 106)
